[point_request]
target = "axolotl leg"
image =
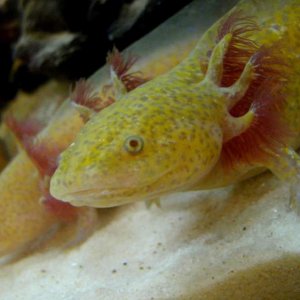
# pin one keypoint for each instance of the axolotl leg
(256, 135)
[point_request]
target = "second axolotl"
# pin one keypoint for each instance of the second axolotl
(225, 113)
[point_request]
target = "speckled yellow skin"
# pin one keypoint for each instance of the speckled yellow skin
(187, 143)
(181, 119)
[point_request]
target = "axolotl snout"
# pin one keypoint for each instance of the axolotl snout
(186, 128)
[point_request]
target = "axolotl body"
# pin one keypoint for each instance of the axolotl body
(218, 117)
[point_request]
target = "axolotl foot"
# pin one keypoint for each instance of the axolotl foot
(285, 164)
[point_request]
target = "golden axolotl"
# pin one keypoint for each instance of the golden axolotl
(225, 113)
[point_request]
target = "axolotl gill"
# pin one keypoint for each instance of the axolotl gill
(218, 117)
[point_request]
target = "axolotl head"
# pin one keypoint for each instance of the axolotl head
(159, 138)
(137, 149)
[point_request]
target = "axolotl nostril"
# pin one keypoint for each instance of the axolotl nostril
(216, 118)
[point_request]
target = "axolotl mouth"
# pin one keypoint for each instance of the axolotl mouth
(104, 198)
(110, 197)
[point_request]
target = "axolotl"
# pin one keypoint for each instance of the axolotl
(228, 111)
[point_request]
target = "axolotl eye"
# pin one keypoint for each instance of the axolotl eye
(134, 144)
